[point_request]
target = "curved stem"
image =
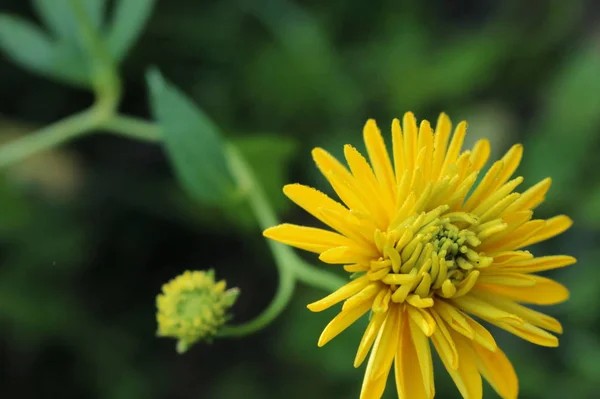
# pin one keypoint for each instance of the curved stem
(48, 137)
(318, 278)
(134, 128)
(284, 257)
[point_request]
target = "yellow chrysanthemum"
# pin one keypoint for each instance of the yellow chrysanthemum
(192, 307)
(428, 250)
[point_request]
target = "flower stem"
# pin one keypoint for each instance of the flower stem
(132, 127)
(284, 257)
(48, 137)
(289, 265)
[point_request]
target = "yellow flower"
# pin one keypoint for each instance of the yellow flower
(428, 249)
(192, 307)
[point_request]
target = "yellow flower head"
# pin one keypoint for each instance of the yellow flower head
(428, 249)
(192, 307)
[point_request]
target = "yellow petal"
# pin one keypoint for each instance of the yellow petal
(480, 308)
(409, 125)
(480, 154)
(553, 227)
(423, 319)
(398, 150)
(534, 265)
(412, 381)
(498, 371)
(344, 255)
(530, 333)
(483, 188)
(365, 178)
(444, 344)
(454, 318)
(466, 376)
(511, 161)
(380, 160)
(386, 345)
(532, 197)
(368, 337)
(307, 238)
(504, 278)
(345, 292)
(327, 162)
(425, 141)
(529, 315)
(455, 146)
(340, 322)
(544, 292)
(481, 335)
(312, 200)
(440, 144)
(373, 388)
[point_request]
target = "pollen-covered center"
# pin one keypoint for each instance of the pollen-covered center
(432, 254)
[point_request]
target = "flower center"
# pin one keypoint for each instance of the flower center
(429, 255)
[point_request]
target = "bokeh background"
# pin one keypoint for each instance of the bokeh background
(90, 231)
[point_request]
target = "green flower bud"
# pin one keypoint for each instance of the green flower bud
(192, 307)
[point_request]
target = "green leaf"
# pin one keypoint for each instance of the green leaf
(129, 18)
(30, 47)
(26, 44)
(193, 144)
(59, 17)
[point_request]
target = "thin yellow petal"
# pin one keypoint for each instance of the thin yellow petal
(398, 150)
(368, 337)
(532, 197)
(466, 376)
(380, 160)
(511, 161)
(307, 238)
(344, 255)
(440, 143)
(498, 371)
(373, 388)
(505, 278)
(387, 343)
(444, 344)
(544, 292)
(345, 292)
(553, 227)
(409, 378)
(481, 335)
(425, 141)
(530, 333)
(312, 200)
(340, 322)
(423, 319)
(409, 126)
(482, 309)
(534, 317)
(454, 318)
(538, 264)
(455, 146)
(480, 154)
(326, 162)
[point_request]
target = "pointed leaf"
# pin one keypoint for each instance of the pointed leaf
(129, 18)
(193, 144)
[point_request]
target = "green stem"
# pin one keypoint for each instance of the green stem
(48, 137)
(132, 127)
(284, 257)
(289, 265)
(318, 278)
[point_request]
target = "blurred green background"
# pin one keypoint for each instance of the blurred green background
(90, 231)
